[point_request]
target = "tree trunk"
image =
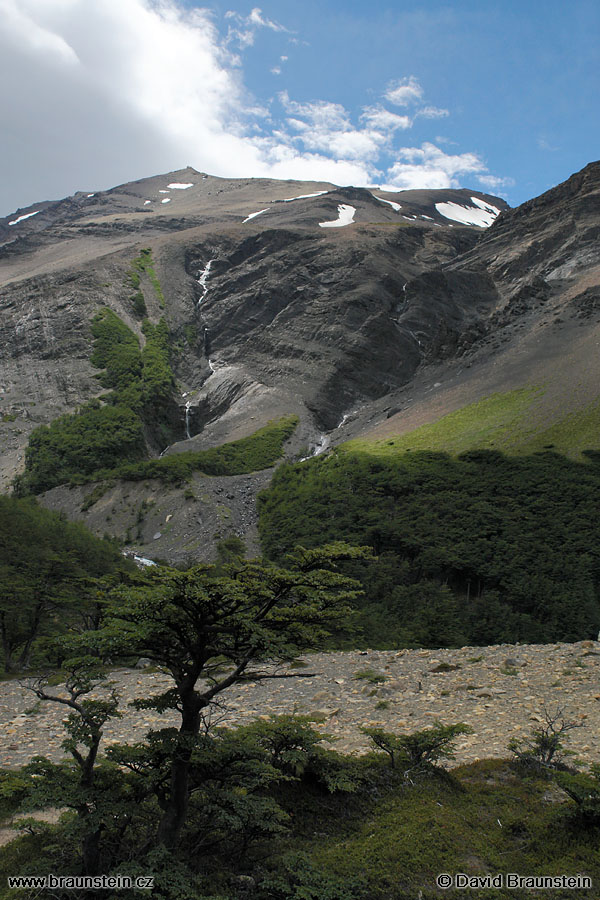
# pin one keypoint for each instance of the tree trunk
(175, 813)
(90, 851)
(34, 628)
(7, 647)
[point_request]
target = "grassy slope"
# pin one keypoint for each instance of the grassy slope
(508, 422)
(492, 821)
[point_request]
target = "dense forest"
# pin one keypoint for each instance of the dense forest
(476, 549)
(53, 574)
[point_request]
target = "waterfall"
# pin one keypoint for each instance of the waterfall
(318, 448)
(414, 337)
(322, 446)
(202, 281)
(187, 420)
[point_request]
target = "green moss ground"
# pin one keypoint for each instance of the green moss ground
(491, 821)
(507, 422)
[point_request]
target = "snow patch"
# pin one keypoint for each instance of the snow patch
(22, 218)
(254, 215)
(482, 214)
(163, 192)
(146, 202)
(395, 206)
(166, 200)
(304, 196)
(345, 217)
(483, 204)
(90, 195)
(178, 186)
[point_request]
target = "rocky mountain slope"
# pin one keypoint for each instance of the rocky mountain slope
(364, 313)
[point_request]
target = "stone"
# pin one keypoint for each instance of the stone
(143, 663)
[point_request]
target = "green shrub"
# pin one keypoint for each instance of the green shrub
(100, 437)
(369, 675)
(544, 749)
(418, 752)
(584, 790)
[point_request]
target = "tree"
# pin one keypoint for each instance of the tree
(544, 749)
(210, 630)
(84, 729)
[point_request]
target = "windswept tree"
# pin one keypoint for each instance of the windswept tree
(210, 629)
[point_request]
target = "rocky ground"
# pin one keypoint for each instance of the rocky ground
(501, 692)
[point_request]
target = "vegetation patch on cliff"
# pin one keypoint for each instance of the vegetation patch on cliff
(250, 454)
(144, 264)
(109, 430)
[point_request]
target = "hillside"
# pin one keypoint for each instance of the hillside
(416, 321)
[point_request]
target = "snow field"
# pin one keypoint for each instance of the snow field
(345, 217)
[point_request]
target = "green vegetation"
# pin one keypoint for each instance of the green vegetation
(250, 454)
(50, 575)
(509, 422)
(486, 819)
(385, 840)
(97, 492)
(479, 549)
(265, 810)
(195, 786)
(369, 675)
(141, 380)
(144, 264)
(417, 754)
(488, 423)
(74, 446)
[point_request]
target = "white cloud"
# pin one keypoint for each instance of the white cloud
(112, 90)
(404, 92)
(378, 117)
(35, 38)
(430, 167)
(493, 182)
(323, 126)
(432, 112)
(544, 144)
(246, 26)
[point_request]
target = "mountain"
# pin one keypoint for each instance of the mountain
(365, 314)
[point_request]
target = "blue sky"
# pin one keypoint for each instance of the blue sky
(490, 94)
